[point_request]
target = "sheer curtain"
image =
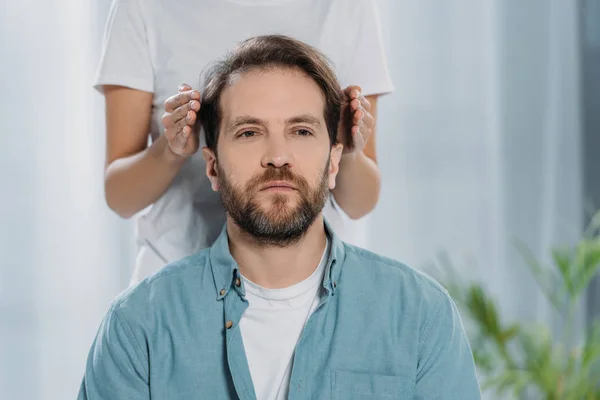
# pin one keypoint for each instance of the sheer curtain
(480, 143)
(64, 254)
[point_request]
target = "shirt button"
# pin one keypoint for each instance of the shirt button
(238, 282)
(222, 292)
(228, 324)
(334, 284)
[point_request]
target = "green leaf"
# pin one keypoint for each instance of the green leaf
(593, 227)
(478, 305)
(484, 360)
(590, 354)
(588, 263)
(504, 381)
(539, 358)
(546, 279)
(517, 358)
(510, 333)
(521, 383)
(579, 385)
(562, 260)
(572, 362)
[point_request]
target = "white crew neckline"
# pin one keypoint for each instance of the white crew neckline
(290, 292)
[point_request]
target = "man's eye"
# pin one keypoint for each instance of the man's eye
(248, 134)
(303, 132)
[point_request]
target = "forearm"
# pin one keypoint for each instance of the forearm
(357, 185)
(132, 183)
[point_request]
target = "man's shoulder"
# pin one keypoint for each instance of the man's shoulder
(175, 280)
(382, 273)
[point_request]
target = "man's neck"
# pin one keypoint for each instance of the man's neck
(277, 267)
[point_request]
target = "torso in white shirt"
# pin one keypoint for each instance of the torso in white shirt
(271, 327)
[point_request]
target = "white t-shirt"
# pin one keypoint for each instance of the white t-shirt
(271, 327)
(155, 45)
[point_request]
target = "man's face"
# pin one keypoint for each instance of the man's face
(275, 164)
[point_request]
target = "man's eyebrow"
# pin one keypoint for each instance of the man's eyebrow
(248, 120)
(304, 119)
(245, 120)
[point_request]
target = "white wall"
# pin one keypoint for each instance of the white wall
(63, 253)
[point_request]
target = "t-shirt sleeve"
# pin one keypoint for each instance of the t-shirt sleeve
(125, 59)
(446, 369)
(117, 365)
(366, 65)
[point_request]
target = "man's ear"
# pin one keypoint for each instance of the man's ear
(334, 163)
(211, 167)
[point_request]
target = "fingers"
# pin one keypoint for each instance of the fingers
(353, 91)
(361, 127)
(357, 115)
(185, 114)
(358, 138)
(366, 117)
(360, 117)
(186, 122)
(185, 95)
(182, 125)
(179, 143)
(369, 120)
(366, 104)
(180, 115)
(363, 124)
(360, 109)
(360, 101)
(179, 139)
(363, 116)
(171, 133)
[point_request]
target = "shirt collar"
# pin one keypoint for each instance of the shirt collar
(226, 271)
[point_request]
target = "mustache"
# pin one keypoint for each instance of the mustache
(278, 174)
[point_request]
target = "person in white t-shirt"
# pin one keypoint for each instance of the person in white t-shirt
(152, 46)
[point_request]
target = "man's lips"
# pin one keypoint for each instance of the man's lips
(283, 185)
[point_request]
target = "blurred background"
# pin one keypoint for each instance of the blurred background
(491, 136)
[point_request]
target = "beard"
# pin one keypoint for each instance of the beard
(281, 224)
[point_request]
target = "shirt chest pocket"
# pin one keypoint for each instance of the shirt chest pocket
(347, 385)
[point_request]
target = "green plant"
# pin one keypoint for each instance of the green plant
(522, 359)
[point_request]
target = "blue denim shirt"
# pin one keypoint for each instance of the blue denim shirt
(381, 331)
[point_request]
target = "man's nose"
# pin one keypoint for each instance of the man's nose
(277, 153)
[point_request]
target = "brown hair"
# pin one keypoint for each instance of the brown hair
(263, 52)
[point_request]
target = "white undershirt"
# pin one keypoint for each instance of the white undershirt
(271, 327)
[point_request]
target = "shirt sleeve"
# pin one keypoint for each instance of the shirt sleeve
(446, 369)
(117, 365)
(125, 59)
(366, 66)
